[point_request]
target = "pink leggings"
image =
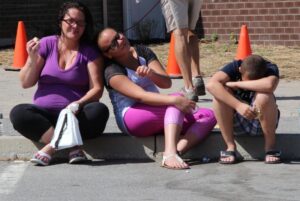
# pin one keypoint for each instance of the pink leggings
(144, 120)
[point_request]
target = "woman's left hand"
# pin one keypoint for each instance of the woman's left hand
(74, 107)
(143, 71)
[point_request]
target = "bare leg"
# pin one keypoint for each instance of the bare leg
(183, 56)
(197, 131)
(268, 119)
(187, 141)
(197, 80)
(172, 132)
(224, 116)
(195, 54)
(46, 138)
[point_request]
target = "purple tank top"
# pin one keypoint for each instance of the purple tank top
(57, 87)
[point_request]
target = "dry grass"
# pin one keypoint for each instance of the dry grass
(215, 54)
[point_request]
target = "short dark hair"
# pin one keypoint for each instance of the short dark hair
(89, 25)
(255, 66)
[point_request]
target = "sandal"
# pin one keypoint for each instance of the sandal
(77, 156)
(274, 154)
(227, 154)
(41, 158)
(165, 158)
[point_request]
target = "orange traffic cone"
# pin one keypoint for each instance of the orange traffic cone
(20, 53)
(173, 69)
(244, 48)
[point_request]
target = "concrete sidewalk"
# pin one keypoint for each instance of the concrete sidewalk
(115, 145)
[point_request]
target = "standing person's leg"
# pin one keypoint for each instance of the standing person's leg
(268, 121)
(196, 128)
(36, 124)
(193, 43)
(183, 56)
(176, 17)
(195, 57)
(197, 80)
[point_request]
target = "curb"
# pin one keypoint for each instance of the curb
(120, 146)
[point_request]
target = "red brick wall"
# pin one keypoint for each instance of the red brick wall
(269, 22)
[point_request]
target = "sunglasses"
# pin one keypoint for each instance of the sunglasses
(72, 22)
(114, 43)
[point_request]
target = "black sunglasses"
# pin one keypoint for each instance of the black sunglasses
(114, 43)
(72, 22)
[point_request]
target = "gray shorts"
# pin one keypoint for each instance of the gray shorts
(180, 14)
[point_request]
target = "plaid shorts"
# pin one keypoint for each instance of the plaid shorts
(242, 126)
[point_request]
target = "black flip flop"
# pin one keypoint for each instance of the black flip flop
(273, 153)
(227, 154)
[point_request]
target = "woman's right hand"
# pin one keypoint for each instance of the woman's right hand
(32, 48)
(185, 105)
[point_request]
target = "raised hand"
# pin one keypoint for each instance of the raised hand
(32, 48)
(143, 71)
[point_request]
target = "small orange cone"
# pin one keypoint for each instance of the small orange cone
(20, 53)
(173, 69)
(244, 48)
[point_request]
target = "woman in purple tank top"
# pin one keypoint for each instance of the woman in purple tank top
(68, 71)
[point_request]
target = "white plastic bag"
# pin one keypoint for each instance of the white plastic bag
(66, 132)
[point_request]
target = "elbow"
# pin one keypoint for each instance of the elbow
(166, 85)
(270, 88)
(26, 85)
(272, 85)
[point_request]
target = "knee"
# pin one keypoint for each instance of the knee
(16, 115)
(97, 109)
(104, 110)
(208, 116)
(264, 99)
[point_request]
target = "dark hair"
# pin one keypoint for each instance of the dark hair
(89, 26)
(255, 66)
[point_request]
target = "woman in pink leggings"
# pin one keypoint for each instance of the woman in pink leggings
(132, 75)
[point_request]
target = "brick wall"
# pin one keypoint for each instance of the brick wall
(269, 22)
(39, 16)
